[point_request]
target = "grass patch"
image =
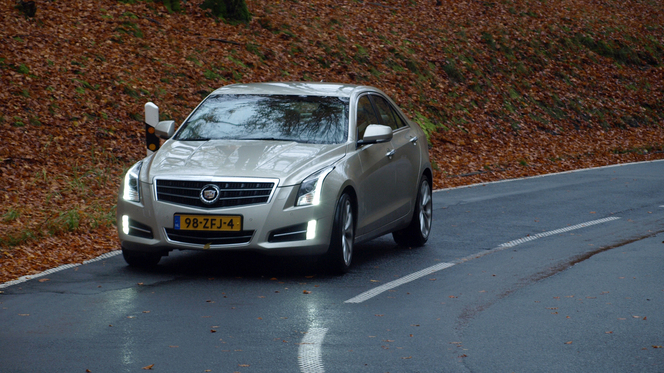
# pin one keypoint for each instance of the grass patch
(452, 71)
(11, 215)
(426, 124)
(23, 69)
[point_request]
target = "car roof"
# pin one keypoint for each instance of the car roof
(295, 88)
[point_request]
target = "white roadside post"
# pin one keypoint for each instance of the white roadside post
(151, 120)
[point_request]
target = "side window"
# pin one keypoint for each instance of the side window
(365, 116)
(385, 112)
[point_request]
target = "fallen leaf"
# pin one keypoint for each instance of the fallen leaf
(44, 280)
(306, 292)
(568, 343)
(149, 367)
(655, 346)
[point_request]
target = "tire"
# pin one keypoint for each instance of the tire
(417, 233)
(340, 252)
(139, 259)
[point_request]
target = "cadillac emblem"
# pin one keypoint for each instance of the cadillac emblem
(210, 194)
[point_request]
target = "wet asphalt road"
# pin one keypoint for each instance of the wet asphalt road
(563, 273)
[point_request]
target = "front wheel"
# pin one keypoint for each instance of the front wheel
(140, 259)
(417, 233)
(340, 252)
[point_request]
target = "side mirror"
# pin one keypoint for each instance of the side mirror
(376, 133)
(165, 129)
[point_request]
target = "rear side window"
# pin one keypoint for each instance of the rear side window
(397, 118)
(387, 114)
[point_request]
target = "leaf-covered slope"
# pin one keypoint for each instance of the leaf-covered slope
(505, 89)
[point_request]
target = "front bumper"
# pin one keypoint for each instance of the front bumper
(276, 227)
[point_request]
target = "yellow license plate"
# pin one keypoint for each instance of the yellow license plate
(207, 222)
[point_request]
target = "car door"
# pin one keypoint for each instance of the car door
(406, 159)
(376, 178)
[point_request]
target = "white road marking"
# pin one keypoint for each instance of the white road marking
(309, 351)
(392, 284)
(557, 231)
(439, 267)
(58, 269)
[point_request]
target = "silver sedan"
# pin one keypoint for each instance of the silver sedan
(281, 168)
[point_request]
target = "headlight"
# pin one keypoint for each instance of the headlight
(309, 193)
(131, 187)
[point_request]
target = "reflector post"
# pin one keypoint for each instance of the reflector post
(152, 142)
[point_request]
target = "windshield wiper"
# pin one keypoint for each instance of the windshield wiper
(264, 139)
(195, 139)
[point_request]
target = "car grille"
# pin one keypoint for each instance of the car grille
(233, 193)
(212, 238)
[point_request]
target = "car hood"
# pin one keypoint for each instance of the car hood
(290, 162)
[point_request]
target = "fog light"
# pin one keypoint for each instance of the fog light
(125, 224)
(311, 230)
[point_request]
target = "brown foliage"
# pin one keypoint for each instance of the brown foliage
(517, 88)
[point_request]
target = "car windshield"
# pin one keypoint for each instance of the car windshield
(308, 119)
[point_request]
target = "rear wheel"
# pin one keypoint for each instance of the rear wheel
(417, 233)
(340, 252)
(141, 259)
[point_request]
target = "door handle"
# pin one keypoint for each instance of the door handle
(413, 140)
(390, 154)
